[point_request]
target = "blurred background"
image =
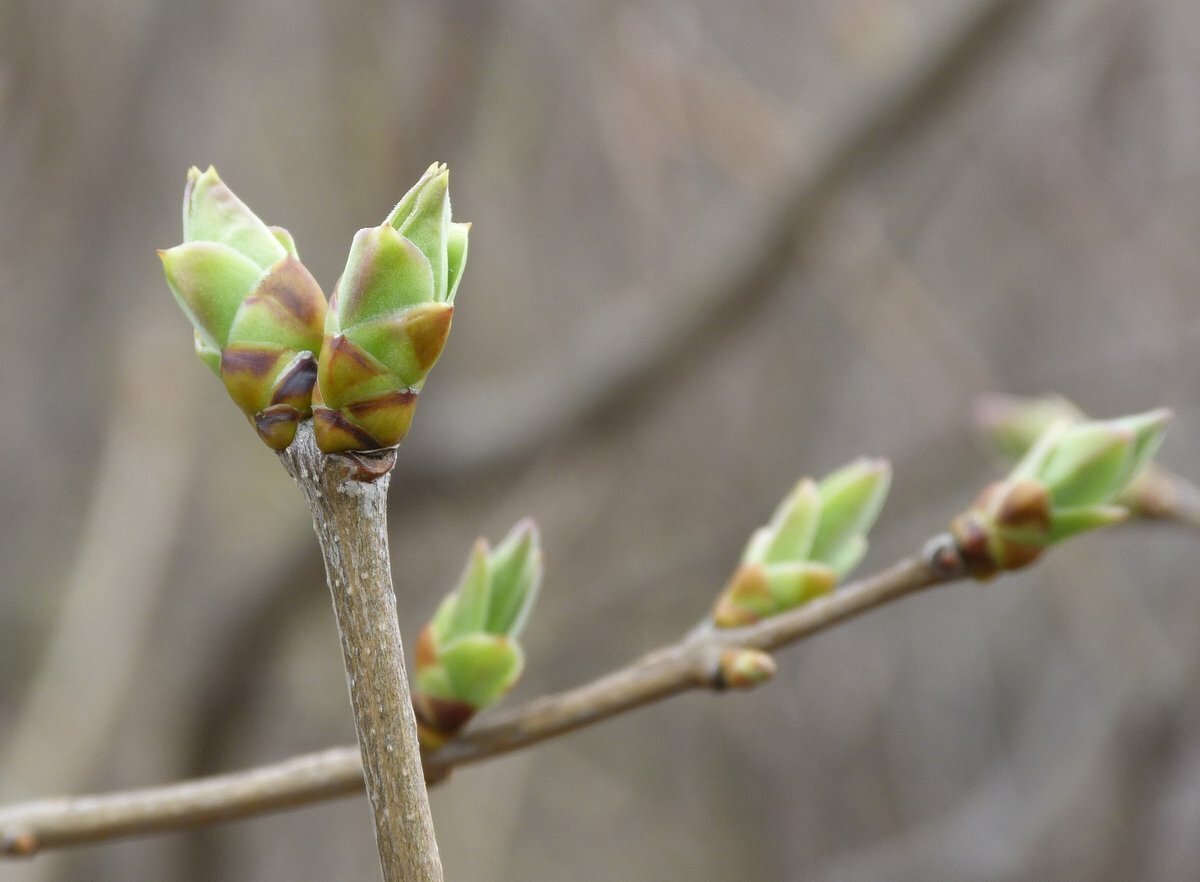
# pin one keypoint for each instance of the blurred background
(717, 246)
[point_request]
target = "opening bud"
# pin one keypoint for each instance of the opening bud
(744, 668)
(389, 319)
(468, 657)
(816, 536)
(1071, 480)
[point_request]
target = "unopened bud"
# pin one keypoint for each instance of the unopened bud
(257, 312)
(740, 668)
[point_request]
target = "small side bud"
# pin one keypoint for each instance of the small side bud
(744, 668)
(468, 657)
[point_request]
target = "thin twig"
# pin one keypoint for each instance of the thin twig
(347, 495)
(689, 664)
(53, 823)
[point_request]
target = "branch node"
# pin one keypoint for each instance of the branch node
(366, 467)
(942, 556)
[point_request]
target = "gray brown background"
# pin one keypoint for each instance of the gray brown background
(1033, 224)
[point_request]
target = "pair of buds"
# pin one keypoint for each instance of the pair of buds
(355, 365)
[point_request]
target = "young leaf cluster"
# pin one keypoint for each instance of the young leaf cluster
(356, 365)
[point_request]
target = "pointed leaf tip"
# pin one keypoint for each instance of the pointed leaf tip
(516, 578)
(212, 212)
(851, 499)
(794, 524)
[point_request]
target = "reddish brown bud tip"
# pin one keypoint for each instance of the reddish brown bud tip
(336, 434)
(277, 424)
(439, 719)
(1006, 528)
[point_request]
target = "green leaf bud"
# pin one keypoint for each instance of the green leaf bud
(389, 319)
(258, 313)
(468, 656)
(1087, 463)
(1071, 480)
(816, 536)
(481, 668)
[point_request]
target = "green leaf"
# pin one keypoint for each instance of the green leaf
(434, 681)
(1089, 464)
(443, 618)
(1148, 429)
(474, 594)
(516, 567)
(851, 499)
(456, 257)
(847, 556)
(794, 584)
(428, 227)
(208, 353)
(210, 281)
(481, 668)
(404, 207)
(756, 547)
(1068, 522)
(286, 307)
(1033, 460)
(212, 213)
(407, 343)
(284, 238)
(385, 273)
(794, 524)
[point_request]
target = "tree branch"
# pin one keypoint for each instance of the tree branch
(347, 494)
(692, 663)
